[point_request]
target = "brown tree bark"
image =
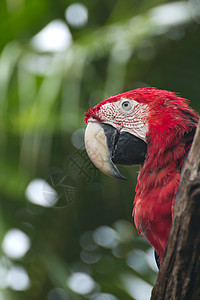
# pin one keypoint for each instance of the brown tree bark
(179, 275)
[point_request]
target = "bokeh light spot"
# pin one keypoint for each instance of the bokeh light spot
(106, 237)
(81, 283)
(16, 243)
(41, 193)
(170, 14)
(76, 15)
(55, 37)
(125, 230)
(137, 288)
(3, 277)
(121, 52)
(105, 296)
(78, 138)
(87, 241)
(37, 64)
(135, 260)
(18, 279)
(90, 257)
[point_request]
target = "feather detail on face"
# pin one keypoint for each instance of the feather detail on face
(124, 114)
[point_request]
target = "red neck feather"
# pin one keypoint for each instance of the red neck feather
(169, 138)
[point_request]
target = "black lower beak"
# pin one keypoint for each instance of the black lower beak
(124, 148)
(106, 147)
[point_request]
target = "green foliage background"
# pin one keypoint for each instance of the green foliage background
(41, 120)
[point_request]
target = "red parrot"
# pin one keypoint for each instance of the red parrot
(153, 128)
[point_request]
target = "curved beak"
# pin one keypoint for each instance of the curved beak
(96, 144)
(106, 146)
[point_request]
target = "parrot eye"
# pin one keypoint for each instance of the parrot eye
(126, 105)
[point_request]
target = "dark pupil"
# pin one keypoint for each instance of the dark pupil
(125, 104)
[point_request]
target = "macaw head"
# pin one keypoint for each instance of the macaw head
(124, 129)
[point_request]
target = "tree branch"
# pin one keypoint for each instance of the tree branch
(179, 276)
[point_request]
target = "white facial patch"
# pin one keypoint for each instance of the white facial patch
(135, 122)
(126, 117)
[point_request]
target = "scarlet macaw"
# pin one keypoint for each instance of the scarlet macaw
(153, 128)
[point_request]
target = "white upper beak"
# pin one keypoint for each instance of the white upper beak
(98, 151)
